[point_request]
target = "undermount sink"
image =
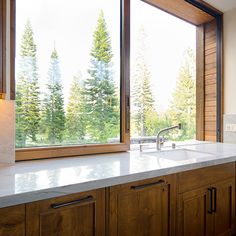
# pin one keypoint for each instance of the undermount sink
(180, 155)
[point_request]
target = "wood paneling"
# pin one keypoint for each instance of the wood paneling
(206, 93)
(72, 215)
(200, 84)
(210, 81)
(12, 221)
(182, 10)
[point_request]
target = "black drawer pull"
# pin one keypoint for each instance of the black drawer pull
(210, 209)
(159, 182)
(81, 200)
(214, 199)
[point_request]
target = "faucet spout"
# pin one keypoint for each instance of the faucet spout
(158, 142)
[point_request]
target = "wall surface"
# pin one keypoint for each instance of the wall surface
(7, 112)
(230, 76)
(7, 133)
(230, 62)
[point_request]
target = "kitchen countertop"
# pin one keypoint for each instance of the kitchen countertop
(42, 179)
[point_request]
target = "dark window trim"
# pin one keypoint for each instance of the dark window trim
(2, 48)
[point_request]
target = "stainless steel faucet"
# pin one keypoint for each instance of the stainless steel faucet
(164, 130)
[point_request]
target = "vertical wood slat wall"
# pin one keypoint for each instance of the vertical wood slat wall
(210, 81)
(206, 82)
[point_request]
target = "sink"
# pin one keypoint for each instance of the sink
(180, 155)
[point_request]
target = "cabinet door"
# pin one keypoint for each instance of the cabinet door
(141, 208)
(12, 221)
(224, 207)
(80, 214)
(194, 213)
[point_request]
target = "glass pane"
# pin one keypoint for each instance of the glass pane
(67, 72)
(163, 81)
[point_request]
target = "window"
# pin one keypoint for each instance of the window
(73, 75)
(68, 73)
(163, 74)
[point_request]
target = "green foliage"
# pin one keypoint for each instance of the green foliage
(143, 113)
(27, 96)
(99, 92)
(183, 106)
(93, 113)
(54, 115)
(75, 117)
(101, 50)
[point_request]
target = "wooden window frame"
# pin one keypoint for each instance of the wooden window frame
(203, 14)
(2, 49)
(77, 150)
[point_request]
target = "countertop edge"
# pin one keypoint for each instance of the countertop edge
(27, 197)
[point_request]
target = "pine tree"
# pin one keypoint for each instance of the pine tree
(54, 114)
(99, 92)
(144, 115)
(183, 106)
(75, 116)
(27, 96)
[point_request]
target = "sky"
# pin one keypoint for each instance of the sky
(167, 39)
(69, 25)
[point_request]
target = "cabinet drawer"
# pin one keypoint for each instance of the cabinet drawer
(143, 184)
(205, 176)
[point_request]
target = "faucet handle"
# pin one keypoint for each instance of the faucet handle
(162, 140)
(141, 146)
(180, 126)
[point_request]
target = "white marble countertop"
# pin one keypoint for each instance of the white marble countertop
(36, 180)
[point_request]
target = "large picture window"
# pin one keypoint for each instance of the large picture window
(67, 73)
(95, 78)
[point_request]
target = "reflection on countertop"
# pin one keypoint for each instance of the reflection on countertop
(40, 179)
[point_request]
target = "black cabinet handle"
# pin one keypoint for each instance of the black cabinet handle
(214, 199)
(210, 205)
(159, 182)
(81, 200)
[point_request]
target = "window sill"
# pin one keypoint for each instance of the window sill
(68, 151)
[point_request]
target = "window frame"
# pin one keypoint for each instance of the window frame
(77, 150)
(2, 49)
(124, 145)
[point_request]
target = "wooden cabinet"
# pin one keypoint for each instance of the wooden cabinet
(12, 221)
(224, 209)
(193, 218)
(73, 215)
(208, 209)
(141, 208)
(200, 202)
